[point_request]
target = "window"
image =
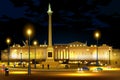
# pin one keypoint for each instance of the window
(49, 54)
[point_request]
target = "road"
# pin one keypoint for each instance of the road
(60, 75)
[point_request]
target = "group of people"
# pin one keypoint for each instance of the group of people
(47, 66)
(20, 64)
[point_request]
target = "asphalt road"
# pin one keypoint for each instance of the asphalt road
(60, 75)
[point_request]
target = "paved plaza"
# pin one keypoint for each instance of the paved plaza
(59, 74)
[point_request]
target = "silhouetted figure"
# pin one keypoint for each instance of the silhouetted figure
(3, 66)
(23, 65)
(6, 71)
(66, 66)
(42, 66)
(48, 66)
(14, 65)
(78, 64)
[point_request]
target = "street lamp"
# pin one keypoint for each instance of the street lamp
(21, 58)
(97, 36)
(109, 55)
(8, 42)
(29, 32)
(35, 43)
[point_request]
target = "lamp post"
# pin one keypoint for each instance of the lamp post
(29, 32)
(97, 36)
(8, 42)
(109, 56)
(35, 43)
(21, 58)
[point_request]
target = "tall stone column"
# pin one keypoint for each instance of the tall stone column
(50, 54)
(50, 62)
(49, 26)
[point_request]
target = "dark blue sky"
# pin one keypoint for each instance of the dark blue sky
(73, 20)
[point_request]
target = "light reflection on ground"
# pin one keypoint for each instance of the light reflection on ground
(18, 72)
(79, 74)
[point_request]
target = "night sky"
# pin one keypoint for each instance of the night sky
(73, 20)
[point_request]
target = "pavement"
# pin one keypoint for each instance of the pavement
(61, 75)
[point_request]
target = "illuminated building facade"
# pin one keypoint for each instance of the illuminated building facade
(80, 51)
(75, 51)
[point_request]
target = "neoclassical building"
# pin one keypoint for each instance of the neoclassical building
(75, 51)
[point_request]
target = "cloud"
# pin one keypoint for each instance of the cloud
(99, 23)
(113, 7)
(8, 9)
(36, 2)
(66, 13)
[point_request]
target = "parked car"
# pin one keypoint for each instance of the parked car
(98, 69)
(85, 68)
